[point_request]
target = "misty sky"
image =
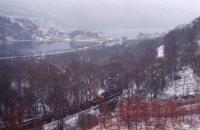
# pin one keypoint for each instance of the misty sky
(95, 14)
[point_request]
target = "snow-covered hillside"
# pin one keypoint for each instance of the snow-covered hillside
(188, 84)
(18, 28)
(160, 51)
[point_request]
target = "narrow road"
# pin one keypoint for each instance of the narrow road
(53, 52)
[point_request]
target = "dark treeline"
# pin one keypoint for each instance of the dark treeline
(35, 87)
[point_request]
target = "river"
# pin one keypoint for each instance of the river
(29, 48)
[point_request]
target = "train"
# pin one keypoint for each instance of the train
(38, 122)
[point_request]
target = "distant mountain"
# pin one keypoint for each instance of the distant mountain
(18, 29)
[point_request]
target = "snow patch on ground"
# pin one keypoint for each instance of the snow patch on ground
(160, 51)
(129, 92)
(70, 121)
(198, 42)
(100, 91)
(188, 84)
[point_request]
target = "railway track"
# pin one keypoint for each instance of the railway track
(39, 122)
